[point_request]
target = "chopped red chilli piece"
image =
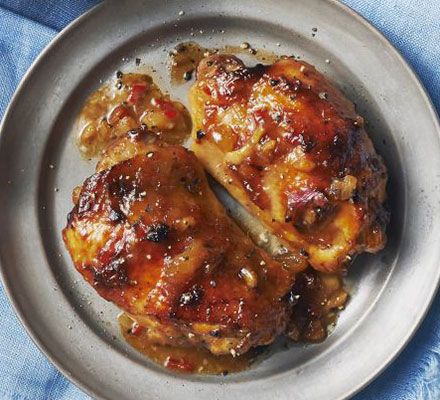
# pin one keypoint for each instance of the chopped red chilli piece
(169, 110)
(179, 364)
(137, 329)
(117, 114)
(137, 92)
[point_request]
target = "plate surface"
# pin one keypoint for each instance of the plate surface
(391, 291)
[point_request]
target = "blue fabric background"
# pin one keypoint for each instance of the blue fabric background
(26, 27)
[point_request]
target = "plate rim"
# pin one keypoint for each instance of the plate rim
(20, 90)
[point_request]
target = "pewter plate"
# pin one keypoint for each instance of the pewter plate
(391, 291)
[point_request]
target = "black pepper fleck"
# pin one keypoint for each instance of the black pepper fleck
(116, 216)
(187, 75)
(292, 299)
(158, 232)
(215, 333)
(303, 252)
(309, 145)
(192, 297)
(200, 134)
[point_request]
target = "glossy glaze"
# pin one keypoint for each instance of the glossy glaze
(290, 147)
(149, 235)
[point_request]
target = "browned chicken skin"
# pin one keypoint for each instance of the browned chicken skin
(290, 147)
(149, 235)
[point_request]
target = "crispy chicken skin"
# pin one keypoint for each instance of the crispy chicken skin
(291, 148)
(148, 233)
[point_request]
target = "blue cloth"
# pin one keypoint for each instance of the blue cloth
(26, 26)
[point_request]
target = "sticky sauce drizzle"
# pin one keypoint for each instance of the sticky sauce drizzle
(183, 359)
(317, 298)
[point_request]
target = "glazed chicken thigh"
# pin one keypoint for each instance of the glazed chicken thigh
(148, 233)
(291, 148)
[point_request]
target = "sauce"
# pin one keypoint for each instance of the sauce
(124, 103)
(183, 359)
(183, 61)
(186, 56)
(317, 298)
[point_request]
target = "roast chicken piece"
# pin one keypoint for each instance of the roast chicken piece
(290, 147)
(149, 235)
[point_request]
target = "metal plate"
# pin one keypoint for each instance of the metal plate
(77, 329)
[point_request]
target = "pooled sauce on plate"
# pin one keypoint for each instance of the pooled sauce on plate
(186, 56)
(317, 298)
(183, 359)
(125, 103)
